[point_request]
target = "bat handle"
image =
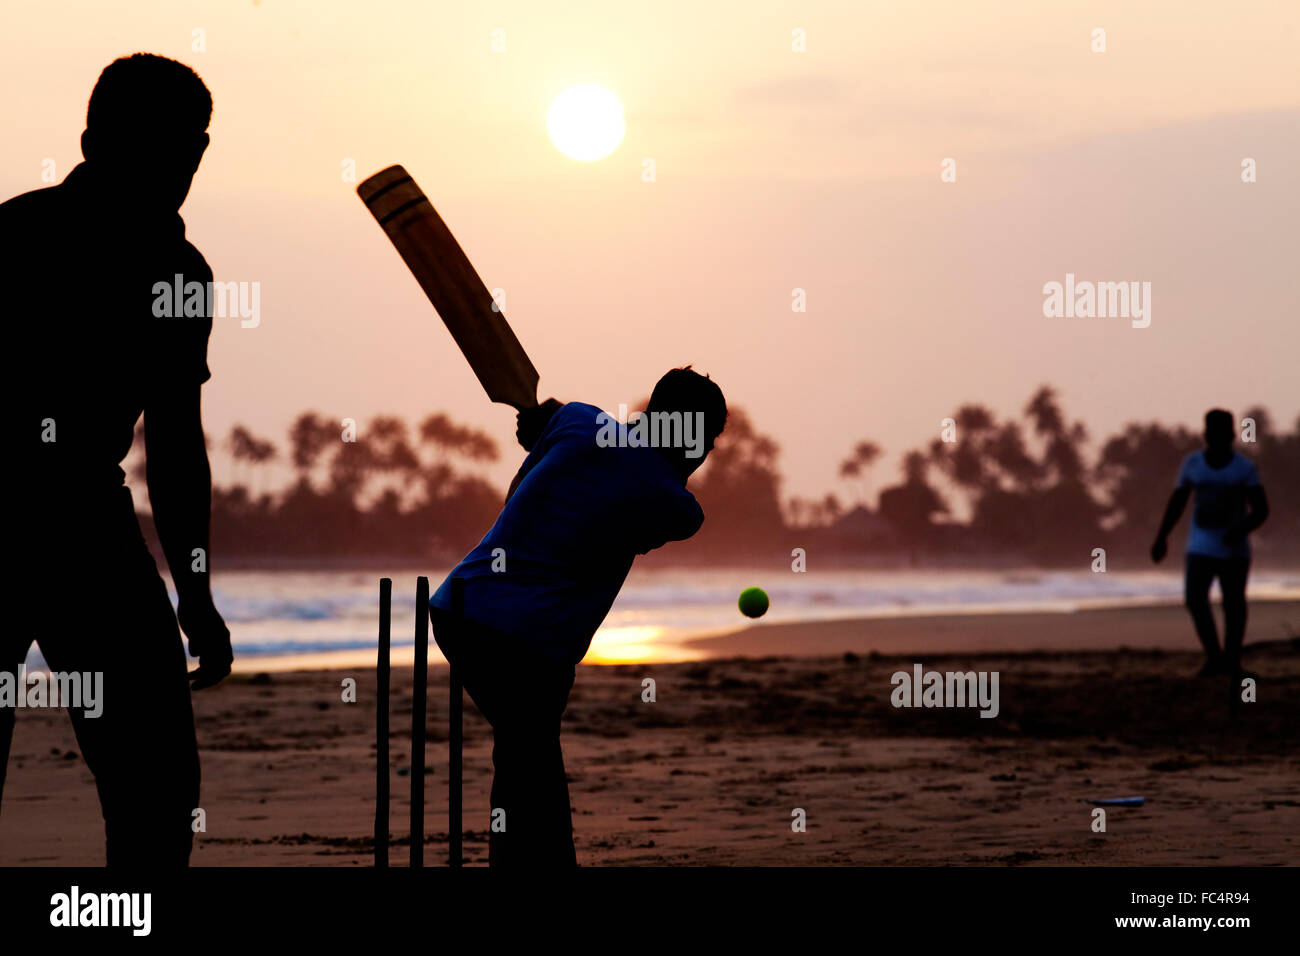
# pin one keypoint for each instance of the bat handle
(535, 404)
(532, 423)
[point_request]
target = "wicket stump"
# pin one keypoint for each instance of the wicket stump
(419, 712)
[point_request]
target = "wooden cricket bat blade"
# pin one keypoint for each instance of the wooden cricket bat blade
(463, 302)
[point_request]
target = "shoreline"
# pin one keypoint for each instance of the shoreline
(1138, 626)
(1164, 627)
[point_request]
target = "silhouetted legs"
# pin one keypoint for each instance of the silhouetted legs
(114, 618)
(530, 785)
(1232, 573)
(142, 748)
(1196, 593)
(1232, 582)
(523, 695)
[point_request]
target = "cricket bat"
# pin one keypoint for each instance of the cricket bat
(444, 272)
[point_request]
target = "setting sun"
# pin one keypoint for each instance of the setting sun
(586, 122)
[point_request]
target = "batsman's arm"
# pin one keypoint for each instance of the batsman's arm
(531, 423)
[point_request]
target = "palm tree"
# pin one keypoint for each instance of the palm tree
(309, 436)
(864, 455)
(447, 438)
(245, 447)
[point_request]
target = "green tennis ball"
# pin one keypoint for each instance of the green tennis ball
(753, 602)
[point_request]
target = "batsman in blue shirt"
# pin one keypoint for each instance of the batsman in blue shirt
(592, 494)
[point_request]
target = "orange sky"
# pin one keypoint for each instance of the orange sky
(775, 170)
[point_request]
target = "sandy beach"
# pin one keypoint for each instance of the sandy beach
(786, 717)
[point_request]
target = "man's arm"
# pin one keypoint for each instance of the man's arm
(524, 469)
(1257, 501)
(1173, 511)
(530, 423)
(180, 490)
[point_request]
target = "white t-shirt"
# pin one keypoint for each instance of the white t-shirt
(1218, 502)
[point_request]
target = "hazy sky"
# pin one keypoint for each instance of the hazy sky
(775, 170)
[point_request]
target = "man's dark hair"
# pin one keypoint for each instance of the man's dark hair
(686, 390)
(144, 90)
(1218, 427)
(1217, 419)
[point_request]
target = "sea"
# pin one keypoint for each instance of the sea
(282, 619)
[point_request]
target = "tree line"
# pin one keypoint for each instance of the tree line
(1031, 489)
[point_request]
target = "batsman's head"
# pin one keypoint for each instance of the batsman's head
(686, 392)
(146, 128)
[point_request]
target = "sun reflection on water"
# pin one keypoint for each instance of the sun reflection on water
(634, 644)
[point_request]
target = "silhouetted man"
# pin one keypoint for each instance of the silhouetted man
(93, 349)
(591, 495)
(1229, 504)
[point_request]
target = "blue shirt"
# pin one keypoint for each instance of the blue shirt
(568, 536)
(1219, 502)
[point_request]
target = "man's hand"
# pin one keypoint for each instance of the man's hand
(209, 642)
(1173, 511)
(533, 421)
(1234, 535)
(180, 489)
